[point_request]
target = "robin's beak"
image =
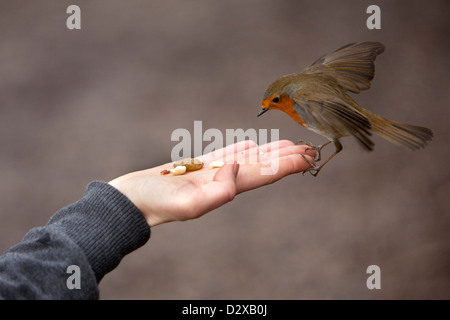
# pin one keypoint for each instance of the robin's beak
(262, 111)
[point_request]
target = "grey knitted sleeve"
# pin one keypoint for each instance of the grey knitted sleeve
(92, 234)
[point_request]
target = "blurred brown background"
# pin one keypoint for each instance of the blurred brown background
(103, 101)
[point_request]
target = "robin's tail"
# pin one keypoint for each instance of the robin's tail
(406, 135)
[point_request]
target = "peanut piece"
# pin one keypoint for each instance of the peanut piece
(191, 164)
(178, 170)
(216, 164)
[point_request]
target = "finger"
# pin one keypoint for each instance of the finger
(242, 152)
(274, 145)
(291, 149)
(243, 146)
(257, 175)
(243, 149)
(256, 155)
(252, 155)
(229, 150)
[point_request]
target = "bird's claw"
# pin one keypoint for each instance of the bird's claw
(301, 141)
(314, 170)
(317, 149)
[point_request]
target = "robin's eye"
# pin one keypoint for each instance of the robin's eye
(276, 99)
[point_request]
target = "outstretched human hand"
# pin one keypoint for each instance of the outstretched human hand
(165, 198)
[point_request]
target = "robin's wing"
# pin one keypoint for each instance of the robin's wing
(352, 65)
(334, 116)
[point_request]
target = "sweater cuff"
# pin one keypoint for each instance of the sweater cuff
(105, 224)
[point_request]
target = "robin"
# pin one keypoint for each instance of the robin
(318, 100)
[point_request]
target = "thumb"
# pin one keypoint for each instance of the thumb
(226, 177)
(222, 189)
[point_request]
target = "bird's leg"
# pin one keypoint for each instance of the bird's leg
(314, 170)
(318, 149)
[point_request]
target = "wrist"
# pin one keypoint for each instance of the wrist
(130, 188)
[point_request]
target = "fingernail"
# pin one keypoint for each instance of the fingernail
(235, 169)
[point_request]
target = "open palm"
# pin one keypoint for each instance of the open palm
(165, 198)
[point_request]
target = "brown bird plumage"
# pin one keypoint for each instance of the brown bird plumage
(317, 99)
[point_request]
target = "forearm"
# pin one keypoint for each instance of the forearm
(94, 233)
